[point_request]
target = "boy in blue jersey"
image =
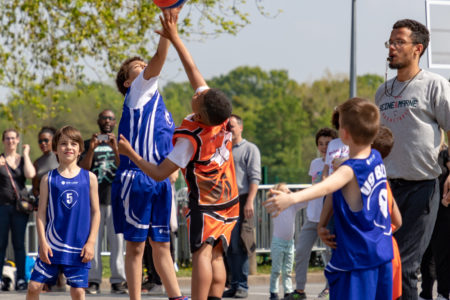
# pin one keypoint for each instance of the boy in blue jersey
(203, 151)
(141, 206)
(360, 266)
(68, 219)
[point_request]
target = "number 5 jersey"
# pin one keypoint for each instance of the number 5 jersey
(68, 217)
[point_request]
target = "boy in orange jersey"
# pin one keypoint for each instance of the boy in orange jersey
(203, 151)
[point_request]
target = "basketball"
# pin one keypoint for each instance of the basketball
(168, 3)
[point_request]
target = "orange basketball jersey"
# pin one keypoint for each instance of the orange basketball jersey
(396, 261)
(210, 174)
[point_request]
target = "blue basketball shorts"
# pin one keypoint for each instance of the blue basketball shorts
(368, 284)
(141, 206)
(77, 276)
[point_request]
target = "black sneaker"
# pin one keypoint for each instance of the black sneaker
(93, 288)
(296, 296)
(21, 285)
(274, 296)
(119, 288)
(229, 293)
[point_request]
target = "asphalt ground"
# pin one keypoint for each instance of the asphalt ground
(259, 290)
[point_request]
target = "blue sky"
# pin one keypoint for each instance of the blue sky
(307, 39)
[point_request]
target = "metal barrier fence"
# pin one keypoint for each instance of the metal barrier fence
(263, 226)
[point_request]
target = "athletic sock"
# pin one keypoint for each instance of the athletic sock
(213, 298)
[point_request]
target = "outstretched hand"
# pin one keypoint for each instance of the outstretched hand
(278, 202)
(169, 25)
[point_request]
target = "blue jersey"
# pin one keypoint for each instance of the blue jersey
(140, 205)
(364, 238)
(68, 217)
(149, 129)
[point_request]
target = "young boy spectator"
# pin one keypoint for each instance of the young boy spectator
(282, 246)
(68, 219)
(308, 234)
(203, 152)
(141, 205)
(383, 143)
(360, 267)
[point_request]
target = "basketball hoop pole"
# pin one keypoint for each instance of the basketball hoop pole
(353, 52)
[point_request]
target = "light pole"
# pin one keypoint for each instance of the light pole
(353, 52)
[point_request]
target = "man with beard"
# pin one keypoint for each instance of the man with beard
(413, 105)
(101, 156)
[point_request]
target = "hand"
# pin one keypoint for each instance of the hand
(169, 26)
(87, 253)
(248, 209)
(446, 192)
(278, 202)
(337, 162)
(326, 237)
(94, 141)
(2, 161)
(172, 12)
(44, 252)
(26, 150)
(124, 146)
(112, 141)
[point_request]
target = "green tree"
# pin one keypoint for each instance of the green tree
(280, 115)
(46, 46)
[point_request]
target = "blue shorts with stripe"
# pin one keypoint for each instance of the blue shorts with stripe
(77, 276)
(368, 284)
(141, 206)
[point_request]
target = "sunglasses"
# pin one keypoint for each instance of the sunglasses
(43, 141)
(104, 118)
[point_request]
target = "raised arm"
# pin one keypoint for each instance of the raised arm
(170, 32)
(156, 63)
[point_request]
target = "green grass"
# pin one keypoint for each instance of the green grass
(263, 267)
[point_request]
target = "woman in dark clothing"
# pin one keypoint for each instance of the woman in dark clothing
(20, 168)
(47, 161)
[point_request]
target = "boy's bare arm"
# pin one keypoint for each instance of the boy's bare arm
(157, 172)
(334, 182)
(170, 31)
(156, 63)
(325, 216)
(87, 253)
(396, 216)
(326, 170)
(44, 249)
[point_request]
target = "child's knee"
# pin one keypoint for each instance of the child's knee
(34, 287)
(135, 248)
(160, 247)
(77, 292)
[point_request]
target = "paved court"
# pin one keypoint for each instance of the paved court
(259, 290)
